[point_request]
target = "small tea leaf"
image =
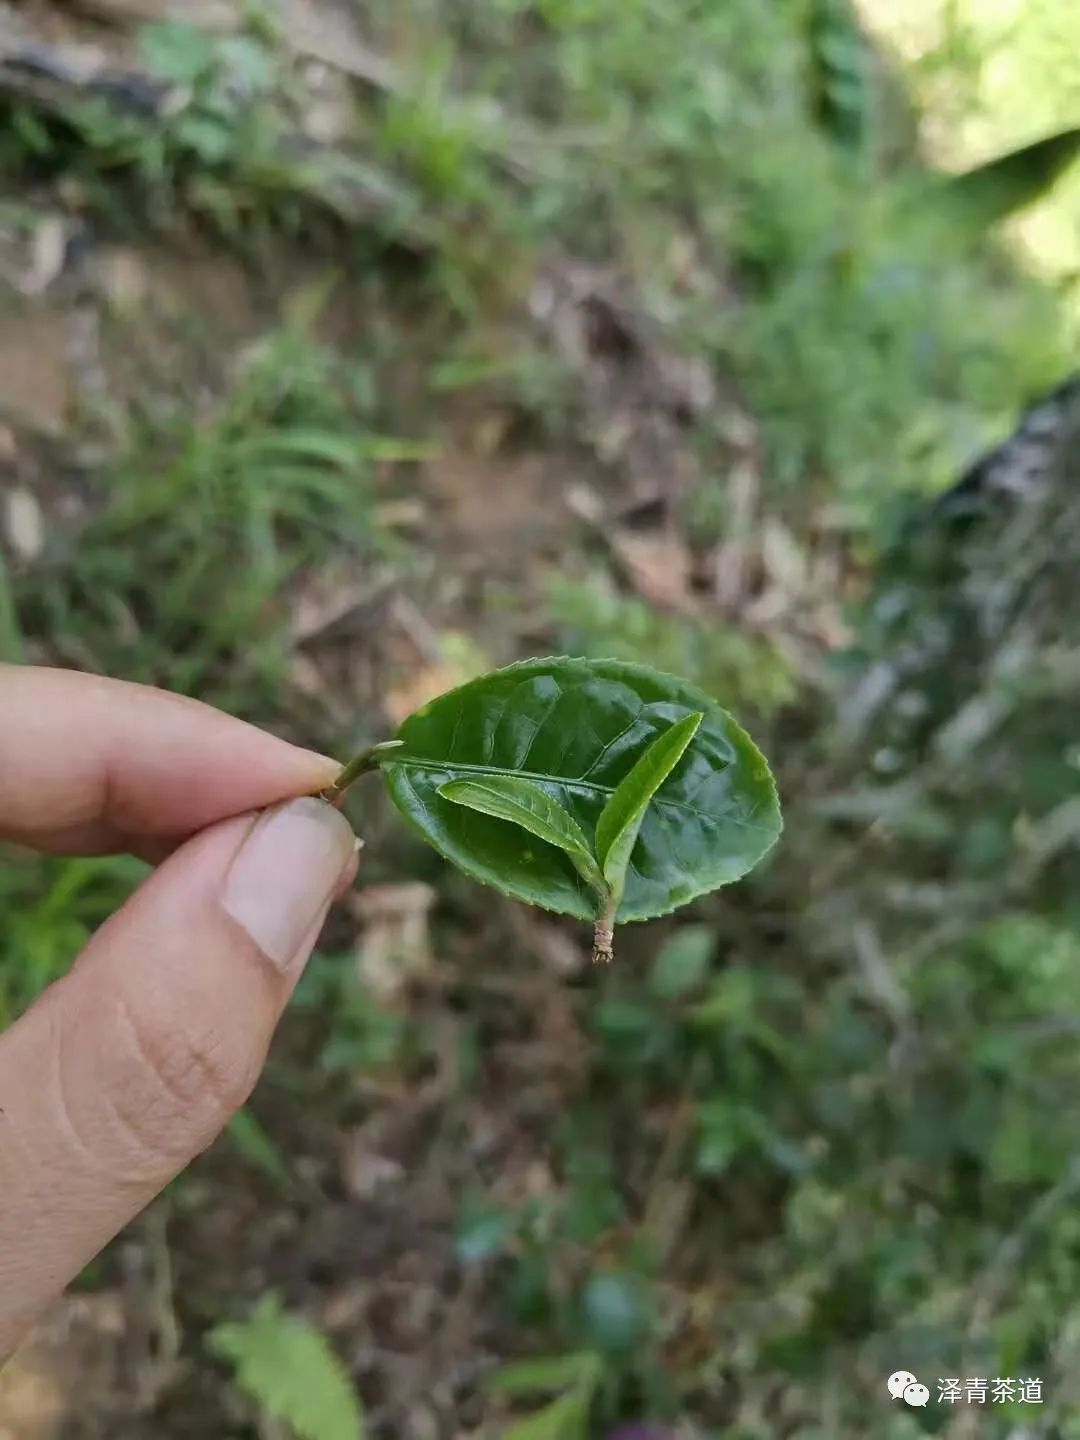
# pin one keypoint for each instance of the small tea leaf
(507, 797)
(620, 820)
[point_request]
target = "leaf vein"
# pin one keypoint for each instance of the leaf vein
(539, 726)
(621, 735)
(570, 783)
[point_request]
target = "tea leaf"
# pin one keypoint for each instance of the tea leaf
(508, 797)
(620, 821)
(575, 729)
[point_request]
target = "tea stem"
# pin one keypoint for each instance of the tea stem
(604, 933)
(366, 761)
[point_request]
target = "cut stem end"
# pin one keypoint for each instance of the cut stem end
(604, 933)
(603, 945)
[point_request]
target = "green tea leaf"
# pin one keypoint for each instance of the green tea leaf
(508, 797)
(575, 729)
(620, 820)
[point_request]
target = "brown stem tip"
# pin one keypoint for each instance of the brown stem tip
(603, 945)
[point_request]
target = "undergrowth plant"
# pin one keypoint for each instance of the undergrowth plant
(761, 134)
(593, 617)
(50, 909)
(598, 789)
(286, 1366)
(203, 123)
(204, 518)
(574, 1381)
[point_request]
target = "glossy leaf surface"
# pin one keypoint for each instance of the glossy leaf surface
(620, 820)
(576, 728)
(522, 802)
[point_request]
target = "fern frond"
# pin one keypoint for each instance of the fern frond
(290, 1371)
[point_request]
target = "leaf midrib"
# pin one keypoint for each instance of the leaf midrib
(417, 763)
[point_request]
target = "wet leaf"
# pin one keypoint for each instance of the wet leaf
(575, 730)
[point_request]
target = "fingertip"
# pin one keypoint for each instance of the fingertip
(349, 874)
(286, 873)
(104, 758)
(324, 768)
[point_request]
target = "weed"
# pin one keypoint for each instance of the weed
(50, 910)
(359, 1034)
(902, 350)
(287, 1368)
(592, 618)
(203, 520)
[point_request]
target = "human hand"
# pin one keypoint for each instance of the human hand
(127, 1068)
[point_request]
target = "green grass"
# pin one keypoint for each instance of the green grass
(50, 909)
(878, 352)
(593, 619)
(204, 519)
(743, 163)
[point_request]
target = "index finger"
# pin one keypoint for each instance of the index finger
(89, 764)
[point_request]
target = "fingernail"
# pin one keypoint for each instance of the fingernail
(285, 873)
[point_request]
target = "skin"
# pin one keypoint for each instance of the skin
(129, 1066)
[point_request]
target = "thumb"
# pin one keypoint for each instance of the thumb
(128, 1067)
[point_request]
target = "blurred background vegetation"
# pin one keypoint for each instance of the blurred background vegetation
(347, 350)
